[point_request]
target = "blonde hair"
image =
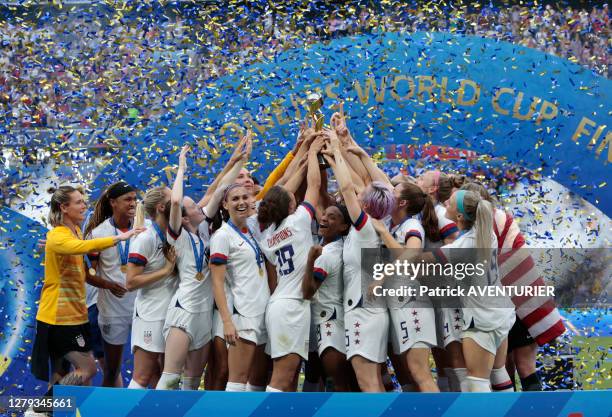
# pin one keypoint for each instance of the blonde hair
(60, 195)
(479, 214)
(153, 197)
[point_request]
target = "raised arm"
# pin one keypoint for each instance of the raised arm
(292, 184)
(213, 187)
(176, 199)
(229, 178)
(280, 170)
(338, 123)
(343, 176)
(313, 178)
(375, 173)
(62, 241)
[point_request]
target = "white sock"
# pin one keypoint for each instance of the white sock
(255, 388)
(500, 380)
(168, 381)
(443, 384)
(474, 384)
(190, 383)
(135, 385)
(409, 388)
(235, 387)
(270, 389)
(455, 377)
(310, 386)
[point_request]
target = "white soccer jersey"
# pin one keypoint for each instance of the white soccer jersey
(193, 294)
(361, 235)
(407, 228)
(249, 289)
(327, 303)
(151, 301)
(482, 312)
(109, 268)
(446, 227)
(287, 247)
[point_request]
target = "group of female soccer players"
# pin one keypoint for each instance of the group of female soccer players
(246, 283)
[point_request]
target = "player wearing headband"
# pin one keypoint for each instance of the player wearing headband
(538, 315)
(486, 325)
(188, 326)
(113, 214)
(233, 173)
(238, 268)
(151, 271)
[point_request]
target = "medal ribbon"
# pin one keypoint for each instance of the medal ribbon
(199, 256)
(253, 244)
(124, 249)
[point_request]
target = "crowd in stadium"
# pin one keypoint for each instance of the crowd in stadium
(95, 68)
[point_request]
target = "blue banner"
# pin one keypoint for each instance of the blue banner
(21, 278)
(89, 402)
(496, 98)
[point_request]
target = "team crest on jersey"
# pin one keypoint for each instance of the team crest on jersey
(80, 340)
(148, 336)
(106, 328)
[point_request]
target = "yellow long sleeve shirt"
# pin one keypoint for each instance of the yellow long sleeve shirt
(275, 175)
(62, 299)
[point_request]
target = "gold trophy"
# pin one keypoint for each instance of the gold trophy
(315, 102)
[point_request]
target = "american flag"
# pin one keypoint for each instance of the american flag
(517, 268)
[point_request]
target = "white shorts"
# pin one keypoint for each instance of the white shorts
(288, 324)
(115, 330)
(252, 329)
(330, 334)
(198, 326)
(412, 325)
(367, 332)
(449, 325)
(217, 325)
(490, 340)
(148, 335)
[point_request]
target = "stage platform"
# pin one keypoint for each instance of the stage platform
(115, 402)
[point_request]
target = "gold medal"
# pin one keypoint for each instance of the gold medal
(92, 272)
(199, 276)
(260, 271)
(124, 268)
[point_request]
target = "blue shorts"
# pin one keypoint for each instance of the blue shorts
(95, 342)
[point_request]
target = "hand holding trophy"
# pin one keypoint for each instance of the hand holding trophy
(315, 102)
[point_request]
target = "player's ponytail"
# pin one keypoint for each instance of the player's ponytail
(429, 220)
(102, 211)
(419, 202)
(477, 213)
(274, 207)
(447, 184)
(152, 199)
